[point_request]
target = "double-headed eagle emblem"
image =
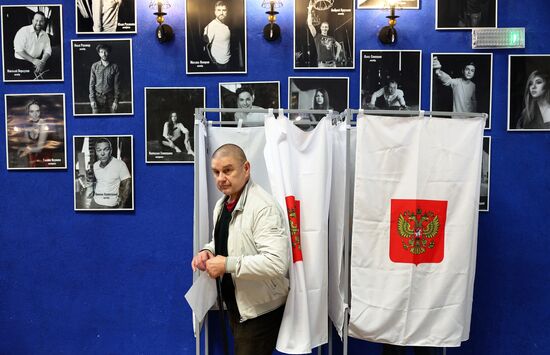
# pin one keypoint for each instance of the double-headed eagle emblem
(417, 230)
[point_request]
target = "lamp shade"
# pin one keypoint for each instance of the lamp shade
(267, 3)
(164, 4)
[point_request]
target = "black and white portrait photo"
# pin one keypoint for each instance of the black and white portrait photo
(216, 36)
(102, 77)
(317, 93)
(485, 175)
(324, 34)
(529, 92)
(35, 131)
(103, 173)
(249, 95)
(105, 16)
(465, 14)
(170, 123)
(462, 82)
(384, 4)
(390, 80)
(32, 43)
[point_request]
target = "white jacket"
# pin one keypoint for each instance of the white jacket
(258, 246)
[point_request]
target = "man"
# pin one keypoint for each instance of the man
(32, 47)
(218, 37)
(328, 49)
(464, 89)
(113, 180)
(394, 98)
(245, 99)
(249, 252)
(105, 15)
(104, 83)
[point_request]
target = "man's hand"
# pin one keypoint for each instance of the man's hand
(93, 105)
(215, 266)
(39, 67)
(199, 261)
(114, 107)
(436, 64)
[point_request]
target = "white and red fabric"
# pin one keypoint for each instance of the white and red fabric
(299, 167)
(423, 302)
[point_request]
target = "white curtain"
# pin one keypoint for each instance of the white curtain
(415, 159)
(299, 165)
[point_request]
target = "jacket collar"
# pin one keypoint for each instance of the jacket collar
(244, 195)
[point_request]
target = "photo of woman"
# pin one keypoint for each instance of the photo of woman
(35, 127)
(170, 123)
(321, 101)
(317, 93)
(528, 92)
(175, 135)
(536, 114)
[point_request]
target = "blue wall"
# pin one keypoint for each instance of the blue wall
(113, 283)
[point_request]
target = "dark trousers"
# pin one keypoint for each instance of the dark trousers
(418, 350)
(104, 103)
(256, 336)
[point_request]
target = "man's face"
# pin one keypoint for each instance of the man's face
(245, 100)
(220, 12)
(103, 152)
(324, 28)
(34, 112)
(469, 72)
(392, 88)
(231, 174)
(38, 22)
(103, 54)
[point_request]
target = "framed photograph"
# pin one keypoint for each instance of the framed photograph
(485, 175)
(105, 16)
(102, 77)
(35, 131)
(465, 14)
(216, 36)
(324, 34)
(383, 4)
(529, 92)
(170, 123)
(103, 173)
(390, 80)
(317, 93)
(32, 43)
(249, 95)
(462, 82)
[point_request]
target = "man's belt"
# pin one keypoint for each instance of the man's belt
(104, 94)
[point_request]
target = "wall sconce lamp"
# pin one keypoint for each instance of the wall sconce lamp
(164, 32)
(388, 34)
(272, 31)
